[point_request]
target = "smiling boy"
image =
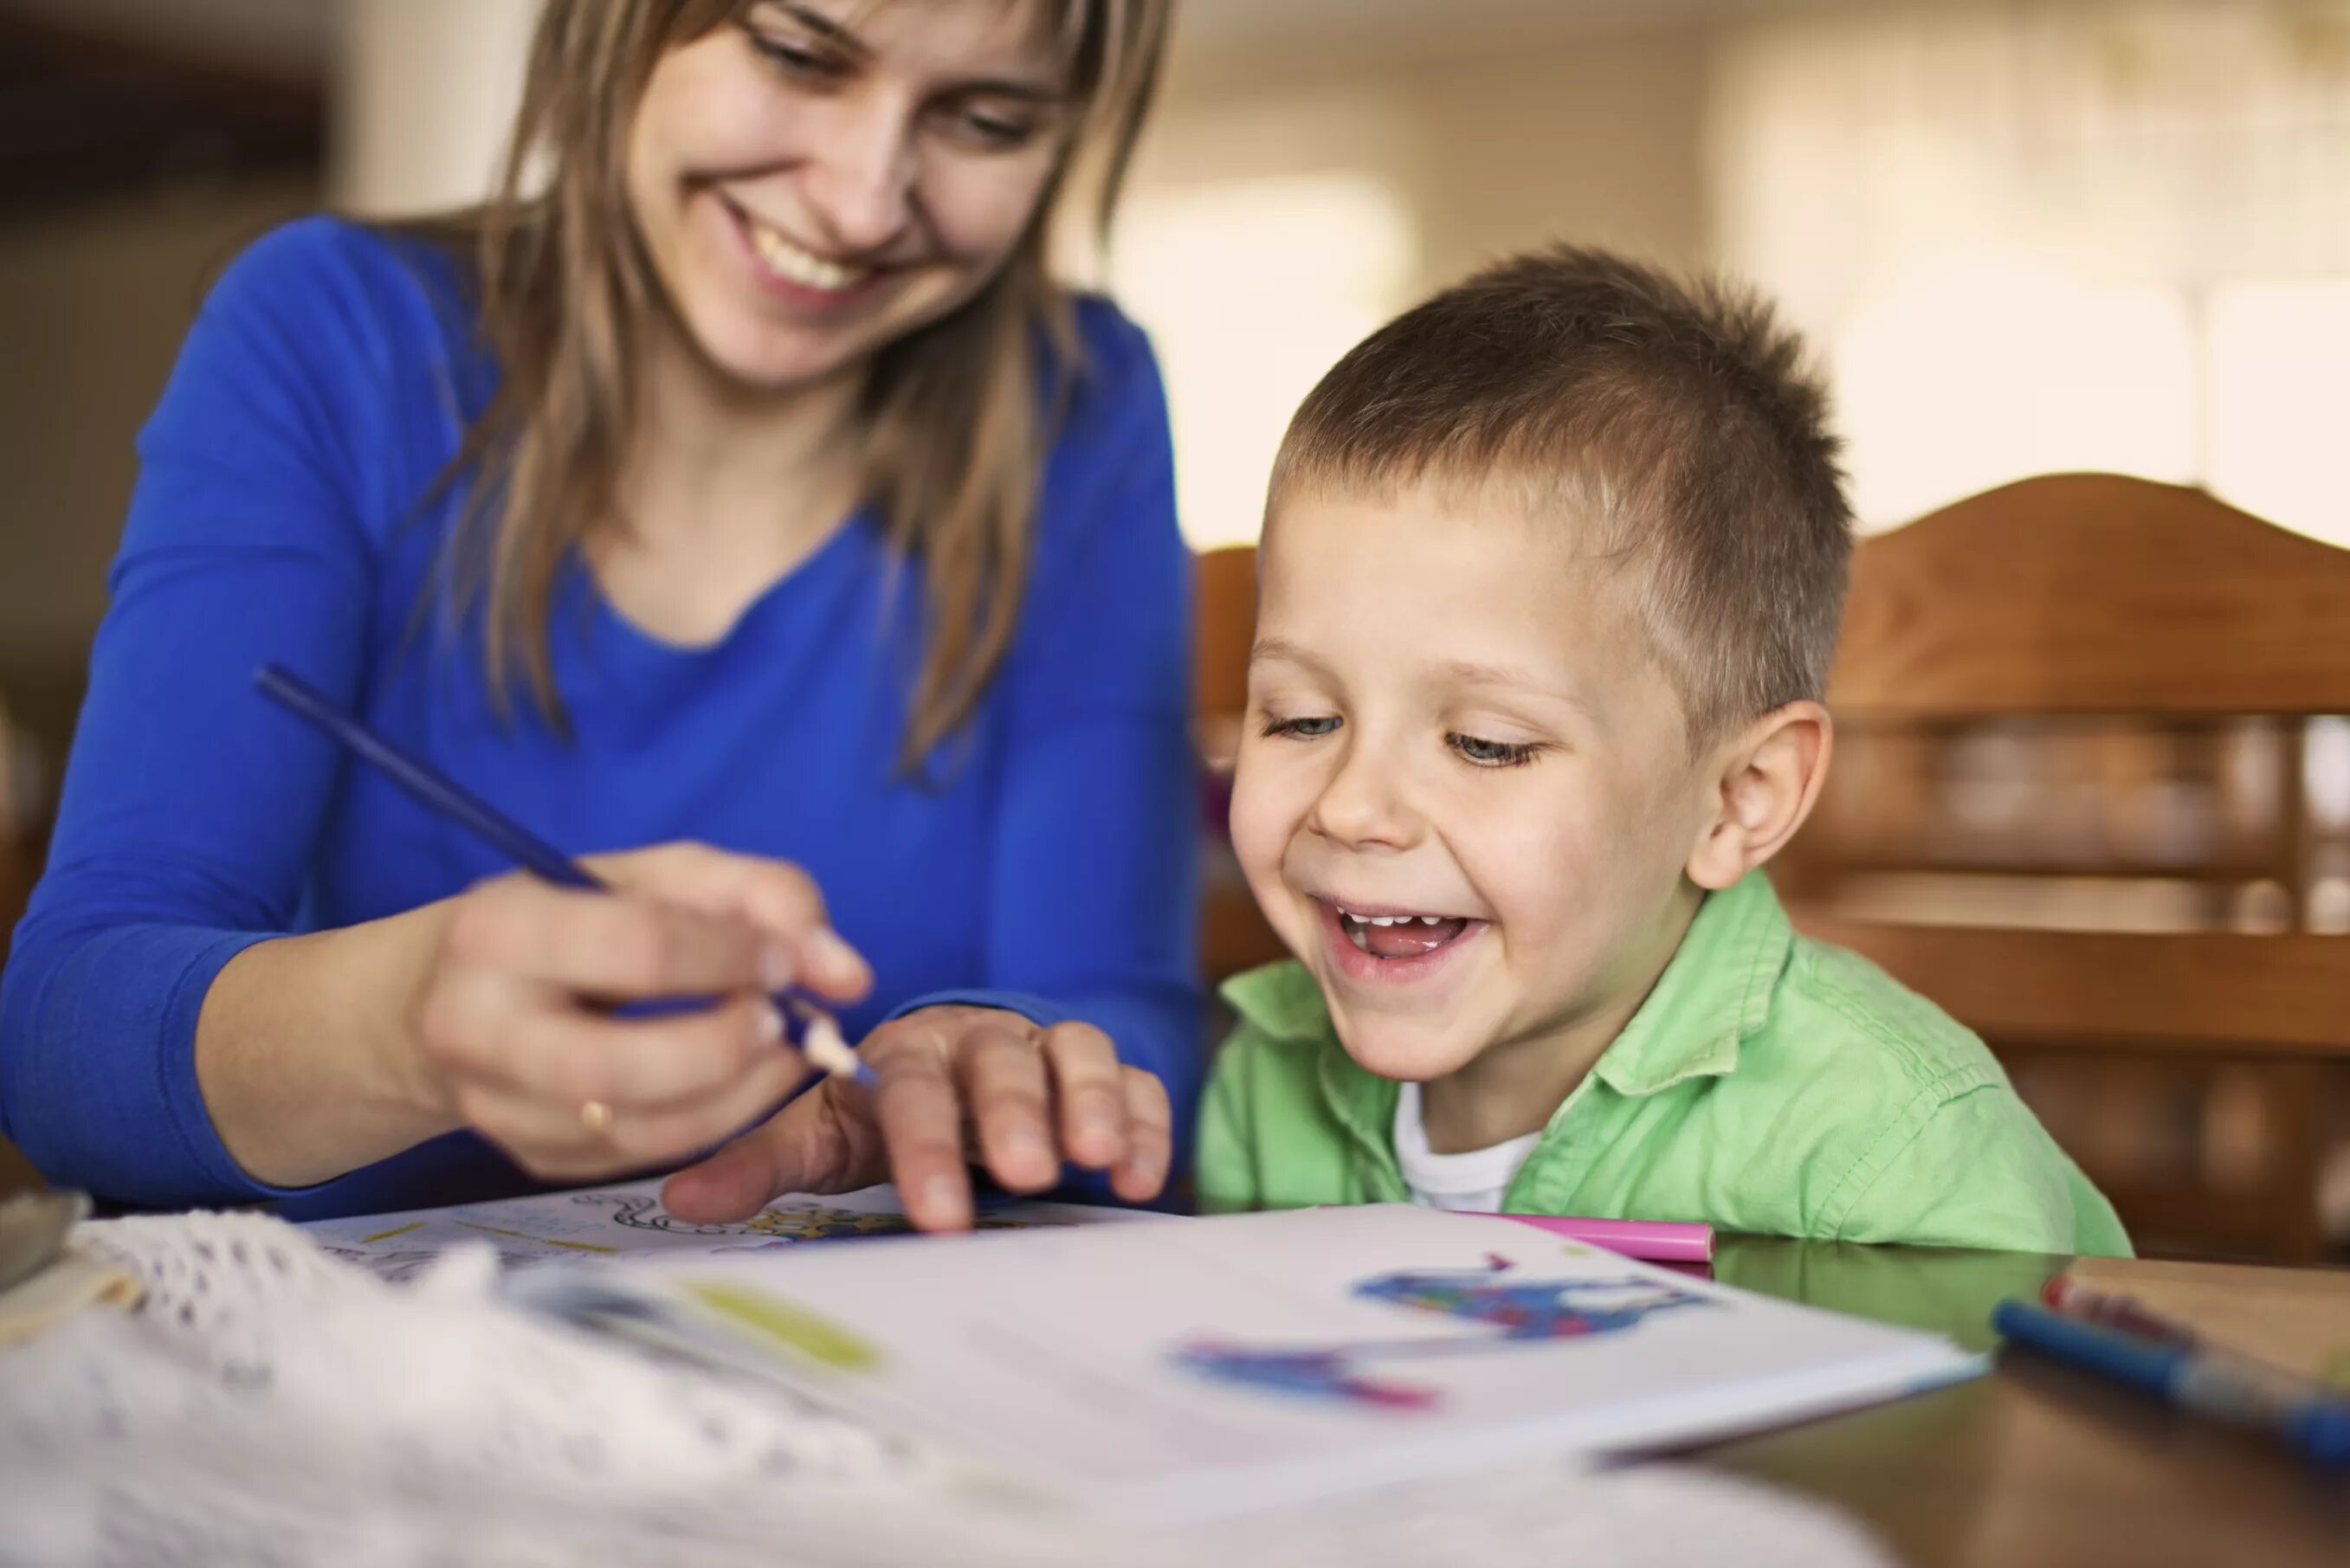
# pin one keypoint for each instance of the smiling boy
(1550, 582)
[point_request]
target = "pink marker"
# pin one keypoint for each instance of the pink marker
(1653, 1241)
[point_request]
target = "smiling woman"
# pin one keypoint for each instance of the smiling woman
(737, 472)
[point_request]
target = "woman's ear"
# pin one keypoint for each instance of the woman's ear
(1767, 780)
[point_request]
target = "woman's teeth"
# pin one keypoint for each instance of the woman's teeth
(803, 267)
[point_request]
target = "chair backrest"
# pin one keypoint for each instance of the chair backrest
(2072, 799)
(1233, 932)
(2094, 593)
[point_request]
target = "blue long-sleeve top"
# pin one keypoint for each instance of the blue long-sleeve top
(285, 510)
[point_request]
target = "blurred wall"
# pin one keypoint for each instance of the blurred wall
(424, 92)
(1495, 138)
(1301, 182)
(97, 299)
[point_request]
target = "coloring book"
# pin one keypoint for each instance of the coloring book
(628, 1220)
(1189, 1369)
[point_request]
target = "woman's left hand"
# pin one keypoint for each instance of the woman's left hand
(960, 1086)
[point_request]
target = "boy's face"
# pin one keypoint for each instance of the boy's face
(1456, 727)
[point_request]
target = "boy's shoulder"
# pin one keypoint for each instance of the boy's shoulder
(1932, 1143)
(1845, 1105)
(1832, 1001)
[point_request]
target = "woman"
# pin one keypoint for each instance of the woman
(747, 480)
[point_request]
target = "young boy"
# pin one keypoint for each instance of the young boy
(1550, 580)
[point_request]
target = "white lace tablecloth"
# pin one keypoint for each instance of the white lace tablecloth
(270, 1405)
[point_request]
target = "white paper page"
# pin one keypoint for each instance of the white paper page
(1089, 1360)
(626, 1220)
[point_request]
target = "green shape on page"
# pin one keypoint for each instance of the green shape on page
(806, 1332)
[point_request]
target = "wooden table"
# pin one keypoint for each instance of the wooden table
(2037, 1463)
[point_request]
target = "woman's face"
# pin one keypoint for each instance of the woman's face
(824, 176)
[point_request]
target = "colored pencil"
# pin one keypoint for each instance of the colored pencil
(806, 1025)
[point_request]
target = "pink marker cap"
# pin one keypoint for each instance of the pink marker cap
(1653, 1241)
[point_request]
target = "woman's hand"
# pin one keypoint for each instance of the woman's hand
(513, 1022)
(959, 1085)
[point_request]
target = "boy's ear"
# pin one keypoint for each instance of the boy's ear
(1768, 779)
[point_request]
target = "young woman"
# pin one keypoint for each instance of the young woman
(737, 475)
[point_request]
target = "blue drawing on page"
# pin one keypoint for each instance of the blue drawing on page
(1520, 1310)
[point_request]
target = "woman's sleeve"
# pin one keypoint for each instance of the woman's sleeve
(190, 806)
(1094, 908)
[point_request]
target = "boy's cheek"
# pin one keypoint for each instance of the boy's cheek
(1258, 825)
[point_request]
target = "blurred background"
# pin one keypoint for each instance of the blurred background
(2024, 236)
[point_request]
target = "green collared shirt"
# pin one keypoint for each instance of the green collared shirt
(1769, 1083)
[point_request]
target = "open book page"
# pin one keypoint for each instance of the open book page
(1192, 1368)
(628, 1221)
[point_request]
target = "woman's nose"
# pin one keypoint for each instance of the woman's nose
(859, 185)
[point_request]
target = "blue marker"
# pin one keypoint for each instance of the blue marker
(2214, 1383)
(806, 1024)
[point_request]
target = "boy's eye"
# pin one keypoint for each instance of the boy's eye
(1301, 728)
(1493, 754)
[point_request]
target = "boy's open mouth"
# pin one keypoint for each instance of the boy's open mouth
(1398, 934)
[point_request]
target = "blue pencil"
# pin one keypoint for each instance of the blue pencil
(807, 1025)
(2213, 1383)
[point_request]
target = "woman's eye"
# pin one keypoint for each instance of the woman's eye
(799, 59)
(1301, 728)
(991, 124)
(1493, 754)
(995, 130)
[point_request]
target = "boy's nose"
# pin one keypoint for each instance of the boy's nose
(1361, 808)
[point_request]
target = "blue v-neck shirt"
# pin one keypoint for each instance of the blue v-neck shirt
(286, 509)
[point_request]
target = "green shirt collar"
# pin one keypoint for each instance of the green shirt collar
(1713, 996)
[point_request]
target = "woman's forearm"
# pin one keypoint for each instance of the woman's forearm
(304, 1054)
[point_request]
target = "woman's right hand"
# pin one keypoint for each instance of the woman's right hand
(518, 1028)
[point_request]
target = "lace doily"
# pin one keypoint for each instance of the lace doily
(271, 1404)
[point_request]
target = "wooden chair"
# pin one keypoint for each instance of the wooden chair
(1232, 933)
(2070, 803)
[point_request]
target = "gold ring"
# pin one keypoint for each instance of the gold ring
(596, 1117)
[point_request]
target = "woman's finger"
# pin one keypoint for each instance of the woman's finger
(1008, 1092)
(777, 899)
(920, 1117)
(1141, 1174)
(808, 1146)
(1088, 1094)
(600, 944)
(560, 1140)
(645, 1062)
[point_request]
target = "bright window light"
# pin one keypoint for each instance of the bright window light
(1251, 289)
(2280, 395)
(1973, 372)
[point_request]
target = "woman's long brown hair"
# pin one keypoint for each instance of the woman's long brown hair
(955, 435)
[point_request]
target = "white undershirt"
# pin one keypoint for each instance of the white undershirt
(1473, 1181)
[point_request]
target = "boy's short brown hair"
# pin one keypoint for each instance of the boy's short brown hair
(1678, 416)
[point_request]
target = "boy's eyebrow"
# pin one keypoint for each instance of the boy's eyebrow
(1471, 673)
(1281, 647)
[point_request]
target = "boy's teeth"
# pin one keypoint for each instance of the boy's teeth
(801, 266)
(1379, 936)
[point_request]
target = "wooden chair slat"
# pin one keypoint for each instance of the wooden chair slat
(2094, 593)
